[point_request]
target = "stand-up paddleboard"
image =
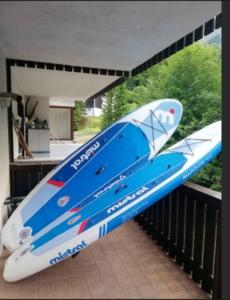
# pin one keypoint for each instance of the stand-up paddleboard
(104, 161)
(149, 183)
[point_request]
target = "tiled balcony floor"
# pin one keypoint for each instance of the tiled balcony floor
(125, 264)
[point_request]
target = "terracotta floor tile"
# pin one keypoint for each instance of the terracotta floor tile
(134, 271)
(126, 282)
(112, 286)
(61, 274)
(63, 289)
(90, 268)
(131, 293)
(115, 294)
(121, 273)
(116, 264)
(166, 295)
(107, 274)
(47, 275)
(92, 275)
(96, 287)
(100, 296)
(125, 264)
(76, 273)
(153, 278)
(199, 294)
(174, 285)
(161, 287)
(46, 292)
(183, 294)
(147, 292)
(10, 294)
(189, 284)
(81, 293)
(78, 279)
(30, 290)
(104, 266)
(82, 285)
(150, 267)
(147, 269)
(29, 296)
(182, 277)
(166, 276)
(140, 281)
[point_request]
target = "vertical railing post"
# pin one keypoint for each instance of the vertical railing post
(217, 268)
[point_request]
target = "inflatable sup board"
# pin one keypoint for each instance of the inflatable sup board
(146, 185)
(104, 161)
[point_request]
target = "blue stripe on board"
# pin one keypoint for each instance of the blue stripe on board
(65, 172)
(133, 211)
(47, 191)
(143, 189)
(34, 204)
(149, 172)
(68, 170)
(172, 185)
(125, 149)
(106, 187)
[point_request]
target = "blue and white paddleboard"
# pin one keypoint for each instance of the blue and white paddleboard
(146, 185)
(103, 162)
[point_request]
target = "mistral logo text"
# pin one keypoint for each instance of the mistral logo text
(131, 197)
(68, 252)
(85, 156)
(165, 116)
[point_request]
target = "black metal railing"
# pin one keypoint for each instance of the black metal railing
(187, 225)
(24, 177)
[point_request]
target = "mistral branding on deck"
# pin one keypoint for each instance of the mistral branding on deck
(85, 156)
(67, 253)
(131, 197)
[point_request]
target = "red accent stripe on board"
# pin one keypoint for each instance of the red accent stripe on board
(56, 182)
(75, 209)
(82, 227)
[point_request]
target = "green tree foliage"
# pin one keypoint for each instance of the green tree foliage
(79, 112)
(193, 76)
(108, 111)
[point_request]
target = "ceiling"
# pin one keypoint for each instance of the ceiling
(113, 34)
(116, 35)
(48, 83)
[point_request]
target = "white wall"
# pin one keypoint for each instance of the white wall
(42, 110)
(4, 145)
(15, 89)
(62, 101)
(42, 113)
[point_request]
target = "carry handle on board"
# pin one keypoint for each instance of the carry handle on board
(100, 170)
(75, 254)
(122, 187)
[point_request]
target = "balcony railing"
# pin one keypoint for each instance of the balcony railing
(24, 177)
(186, 224)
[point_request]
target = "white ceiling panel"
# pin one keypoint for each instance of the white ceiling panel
(49, 83)
(112, 35)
